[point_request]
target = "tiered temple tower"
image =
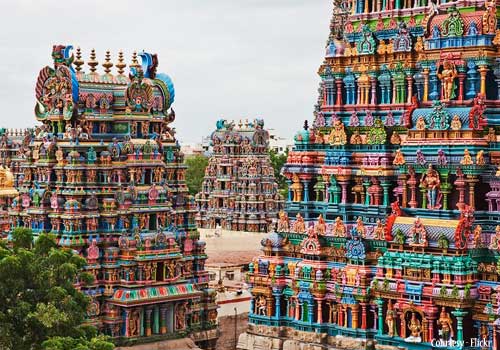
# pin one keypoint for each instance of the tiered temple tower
(104, 174)
(394, 189)
(239, 191)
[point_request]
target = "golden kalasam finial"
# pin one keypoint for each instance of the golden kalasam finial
(78, 62)
(120, 65)
(92, 63)
(107, 63)
(134, 63)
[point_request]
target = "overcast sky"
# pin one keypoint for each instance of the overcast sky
(227, 58)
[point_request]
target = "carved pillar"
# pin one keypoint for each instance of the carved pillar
(148, 321)
(363, 315)
(289, 183)
(433, 81)
(310, 311)
(373, 82)
(405, 191)
(409, 81)
(127, 323)
(483, 70)
(423, 190)
(343, 184)
(277, 304)
(297, 310)
(385, 185)
(461, 79)
(459, 314)
(306, 190)
(320, 311)
(338, 83)
(471, 78)
(380, 304)
(472, 180)
(426, 84)
(355, 315)
(367, 195)
(163, 319)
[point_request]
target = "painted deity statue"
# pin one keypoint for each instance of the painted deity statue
(418, 234)
(415, 328)
(299, 226)
(456, 124)
(480, 158)
(445, 324)
(390, 320)
(339, 229)
(431, 182)
(338, 135)
(467, 158)
(399, 158)
(320, 226)
(495, 240)
(379, 231)
(360, 228)
(283, 223)
(447, 77)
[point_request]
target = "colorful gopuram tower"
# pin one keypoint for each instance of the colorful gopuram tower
(393, 240)
(104, 174)
(239, 190)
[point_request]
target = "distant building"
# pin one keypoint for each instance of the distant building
(239, 191)
(278, 144)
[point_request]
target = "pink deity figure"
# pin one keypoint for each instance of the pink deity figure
(375, 192)
(354, 119)
(418, 234)
(93, 251)
(320, 227)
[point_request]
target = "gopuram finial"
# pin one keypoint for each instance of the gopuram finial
(92, 63)
(107, 63)
(120, 65)
(78, 62)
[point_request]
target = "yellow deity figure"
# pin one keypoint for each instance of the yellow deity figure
(6, 178)
(447, 77)
(320, 227)
(379, 231)
(338, 135)
(477, 237)
(356, 138)
(495, 240)
(395, 138)
(419, 45)
(467, 158)
(296, 188)
(480, 158)
(420, 125)
(339, 229)
(360, 227)
(399, 158)
(456, 124)
(415, 328)
(445, 323)
(390, 320)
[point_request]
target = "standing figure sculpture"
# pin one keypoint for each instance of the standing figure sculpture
(447, 77)
(445, 323)
(431, 182)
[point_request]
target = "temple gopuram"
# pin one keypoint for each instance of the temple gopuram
(239, 190)
(391, 235)
(103, 173)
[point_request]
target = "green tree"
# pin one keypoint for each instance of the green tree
(38, 294)
(277, 162)
(195, 172)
